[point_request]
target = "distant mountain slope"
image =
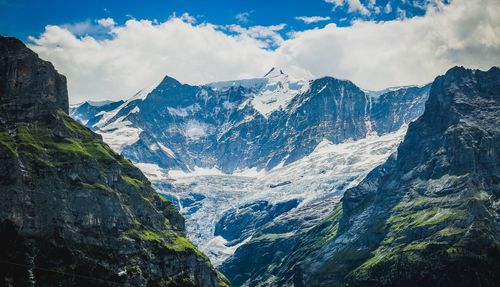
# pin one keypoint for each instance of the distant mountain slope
(258, 143)
(72, 211)
(429, 216)
(89, 113)
(256, 123)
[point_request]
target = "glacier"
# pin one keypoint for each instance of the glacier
(234, 156)
(326, 173)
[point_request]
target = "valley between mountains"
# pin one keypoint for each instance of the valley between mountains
(235, 156)
(272, 181)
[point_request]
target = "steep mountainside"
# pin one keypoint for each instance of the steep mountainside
(257, 123)
(429, 216)
(73, 212)
(232, 154)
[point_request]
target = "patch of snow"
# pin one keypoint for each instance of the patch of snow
(142, 94)
(153, 171)
(219, 250)
(196, 171)
(107, 116)
(268, 94)
(135, 110)
(184, 112)
(322, 89)
(79, 118)
(249, 172)
(120, 133)
(277, 93)
(196, 130)
(228, 105)
(167, 150)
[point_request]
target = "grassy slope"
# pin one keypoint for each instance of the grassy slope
(424, 240)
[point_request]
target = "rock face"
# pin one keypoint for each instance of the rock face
(29, 86)
(257, 123)
(428, 216)
(73, 212)
(238, 224)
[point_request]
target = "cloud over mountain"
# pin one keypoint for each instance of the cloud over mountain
(372, 54)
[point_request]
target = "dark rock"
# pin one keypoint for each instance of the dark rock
(73, 212)
(238, 224)
(30, 87)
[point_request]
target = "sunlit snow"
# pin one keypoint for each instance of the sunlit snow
(324, 174)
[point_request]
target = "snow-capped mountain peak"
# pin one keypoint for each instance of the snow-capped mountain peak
(286, 116)
(273, 139)
(277, 93)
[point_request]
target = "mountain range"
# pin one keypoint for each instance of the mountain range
(251, 143)
(279, 181)
(428, 216)
(256, 123)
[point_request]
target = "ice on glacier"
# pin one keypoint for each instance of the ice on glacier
(322, 175)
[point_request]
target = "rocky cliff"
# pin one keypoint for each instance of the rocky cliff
(29, 86)
(73, 212)
(429, 216)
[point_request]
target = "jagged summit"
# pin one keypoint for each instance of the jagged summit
(22, 96)
(274, 72)
(170, 82)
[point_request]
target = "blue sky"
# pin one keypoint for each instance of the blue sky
(23, 18)
(113, 49)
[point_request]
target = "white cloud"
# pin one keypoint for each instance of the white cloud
(388, 8)
(312, 19)
(97, 28)
(140, 53)
(187, 18)
(106, 22)
(354, 5)
(336, 3)
(409, 51)
(268, 36)
(373, 55)
(243, 17)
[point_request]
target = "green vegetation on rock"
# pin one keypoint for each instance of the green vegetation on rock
(57, 148)
(132, 181)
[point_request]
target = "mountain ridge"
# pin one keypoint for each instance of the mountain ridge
(428, 215)
(217, 133)
(73, 212)
(229, 114)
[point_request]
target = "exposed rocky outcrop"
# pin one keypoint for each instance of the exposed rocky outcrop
(429, 216)
(73, 212)
(30, 87)
(233, 126)
(239, 223)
